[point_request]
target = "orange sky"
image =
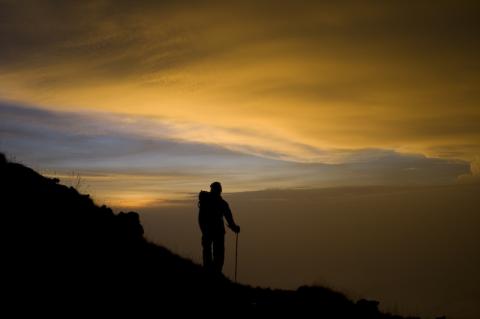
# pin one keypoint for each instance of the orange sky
(281, 79)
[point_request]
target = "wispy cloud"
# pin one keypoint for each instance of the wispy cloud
(121, 156)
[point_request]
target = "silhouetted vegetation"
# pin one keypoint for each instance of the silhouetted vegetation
(64, 254)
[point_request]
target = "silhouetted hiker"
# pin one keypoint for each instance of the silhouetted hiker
(213, 208)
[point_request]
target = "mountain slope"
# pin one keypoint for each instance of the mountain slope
(64, 254)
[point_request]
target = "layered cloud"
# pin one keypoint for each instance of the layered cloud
(134, 161)
(311, 82)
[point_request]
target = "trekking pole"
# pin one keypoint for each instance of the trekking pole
(236, 256)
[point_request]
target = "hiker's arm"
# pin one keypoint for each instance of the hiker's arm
(229, 217)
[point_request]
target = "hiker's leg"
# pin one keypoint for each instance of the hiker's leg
(207, 251)
(218, 251)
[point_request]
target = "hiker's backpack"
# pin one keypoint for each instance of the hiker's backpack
(203, 209)
(203, 199)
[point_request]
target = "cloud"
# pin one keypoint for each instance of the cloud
(474, 175)
(280, 77)
(58, 138)
(122, 156)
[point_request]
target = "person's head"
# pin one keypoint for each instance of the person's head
(216, 188)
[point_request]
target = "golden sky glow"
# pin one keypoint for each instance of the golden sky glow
(282, 78)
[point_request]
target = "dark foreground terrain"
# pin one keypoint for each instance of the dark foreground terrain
(64, 255)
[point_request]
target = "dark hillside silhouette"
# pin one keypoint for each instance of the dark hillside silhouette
(64, 255)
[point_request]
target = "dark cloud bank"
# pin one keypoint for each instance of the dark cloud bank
(415, 248)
